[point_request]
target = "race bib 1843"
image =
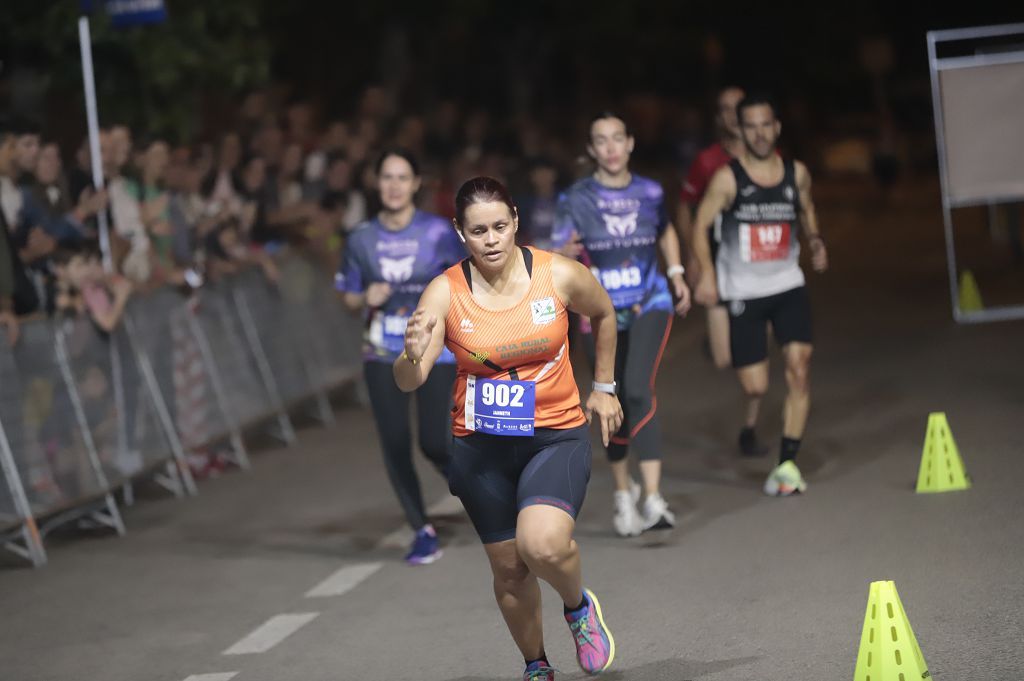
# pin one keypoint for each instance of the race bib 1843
(500, 407)
(764, 242)
(625, 285)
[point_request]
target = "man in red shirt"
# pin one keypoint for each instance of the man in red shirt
(708, 161)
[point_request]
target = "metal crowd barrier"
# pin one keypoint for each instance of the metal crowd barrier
(84, 413)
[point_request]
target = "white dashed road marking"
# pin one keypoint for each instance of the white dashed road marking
(271, 632)
(222, 676)
(343, 580)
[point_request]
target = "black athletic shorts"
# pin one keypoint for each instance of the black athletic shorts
(497, 476)
(790, 315)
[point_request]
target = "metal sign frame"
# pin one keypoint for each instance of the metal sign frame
(936, 65)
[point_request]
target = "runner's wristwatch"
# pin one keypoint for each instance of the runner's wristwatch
(605, 387)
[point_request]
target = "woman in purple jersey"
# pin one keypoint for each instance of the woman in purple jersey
(618, 218)
(388, 262)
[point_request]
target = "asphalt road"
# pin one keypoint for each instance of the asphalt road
(747, 587)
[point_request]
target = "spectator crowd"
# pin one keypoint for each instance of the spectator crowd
(281, 176)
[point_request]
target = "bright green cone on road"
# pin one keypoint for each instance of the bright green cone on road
(942, 469)
(888, 647)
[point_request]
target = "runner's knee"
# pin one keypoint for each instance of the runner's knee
(509, 574)
(637, 400)
(798, 374)
(544, 546)
(755, 389)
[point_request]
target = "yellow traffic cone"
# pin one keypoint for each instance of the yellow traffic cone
(888, 648)
(970, 296)
(942, 469)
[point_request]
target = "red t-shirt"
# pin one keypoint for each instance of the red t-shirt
(708, 161)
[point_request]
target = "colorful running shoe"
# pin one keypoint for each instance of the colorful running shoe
(784, 481)
(425, 549)
(539, 671)
(595, 645)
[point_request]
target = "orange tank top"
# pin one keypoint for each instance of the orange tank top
(527, 342)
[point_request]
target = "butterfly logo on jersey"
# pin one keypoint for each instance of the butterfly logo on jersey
(397, 270)
(620, 225)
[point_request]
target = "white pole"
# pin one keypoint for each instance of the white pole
(88, 79)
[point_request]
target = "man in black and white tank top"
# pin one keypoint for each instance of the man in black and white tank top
(759, 204)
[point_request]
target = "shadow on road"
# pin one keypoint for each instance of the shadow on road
(671, 669)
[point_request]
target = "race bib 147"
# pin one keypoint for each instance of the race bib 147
(764, 242)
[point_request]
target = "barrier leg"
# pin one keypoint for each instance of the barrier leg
(27, 542)
(284, 432)
(108, 515)
(181, 470)
(240, 457)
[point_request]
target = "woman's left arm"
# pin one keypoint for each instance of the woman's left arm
(580, 292)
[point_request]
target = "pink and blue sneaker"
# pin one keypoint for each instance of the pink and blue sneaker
(539, 671)
(595, 645)
(425, 549)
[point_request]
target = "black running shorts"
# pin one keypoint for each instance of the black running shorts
(789, 313)
(497, 476)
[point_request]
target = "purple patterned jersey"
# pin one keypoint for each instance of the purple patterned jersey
(408, 259)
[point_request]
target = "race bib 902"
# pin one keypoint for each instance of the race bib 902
(500, 407)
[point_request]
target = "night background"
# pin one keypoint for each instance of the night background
(188, 430)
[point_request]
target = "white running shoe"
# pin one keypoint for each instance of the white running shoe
(627, 520)
(634, 490)
(656, 513)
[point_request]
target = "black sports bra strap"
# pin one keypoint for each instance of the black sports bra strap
(527, 260)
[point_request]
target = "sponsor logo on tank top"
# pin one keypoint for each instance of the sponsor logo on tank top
(765, 212)
(543, 310)
(787, 191)
(524, 348)
(466, 326)
(748, 190)
(397, 270)
(620, 225)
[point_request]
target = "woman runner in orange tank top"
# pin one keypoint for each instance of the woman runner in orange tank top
(521, 451)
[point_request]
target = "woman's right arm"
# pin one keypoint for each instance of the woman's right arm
(424, 336)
